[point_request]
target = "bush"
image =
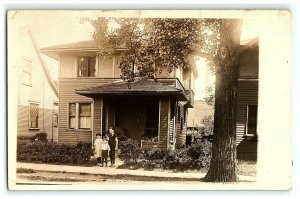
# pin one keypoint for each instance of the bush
(208, 125)
(47, 152)
(192, 157)
(41, 137)
(153, 154)
(25, 138)
(130, 151)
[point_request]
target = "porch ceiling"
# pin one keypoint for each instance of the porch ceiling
(145, 87)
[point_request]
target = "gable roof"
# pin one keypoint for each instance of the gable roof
(143, 87)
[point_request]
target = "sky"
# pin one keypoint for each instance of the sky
(60, 27)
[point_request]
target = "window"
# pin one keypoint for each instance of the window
(72, 115)
(55, 119)
(151, 123)
(86, 66)
(84, 116)
(33, 116)
(80, 116)
(251, 120)
(26, 72)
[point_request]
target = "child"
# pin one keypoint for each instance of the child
(105, 150)
(97, 147)
(113, 143)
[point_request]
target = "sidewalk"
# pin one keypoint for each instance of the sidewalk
(114, 171)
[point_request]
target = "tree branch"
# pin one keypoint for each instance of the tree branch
(200, 53)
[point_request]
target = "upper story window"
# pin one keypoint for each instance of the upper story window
(86, 66)
(27, 72)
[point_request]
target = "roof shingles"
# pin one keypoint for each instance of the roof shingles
(139, 87)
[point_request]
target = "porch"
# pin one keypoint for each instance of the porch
(148, 112)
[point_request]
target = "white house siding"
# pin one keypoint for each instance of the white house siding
(38, 92)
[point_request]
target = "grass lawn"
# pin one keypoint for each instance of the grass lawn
(246, 168)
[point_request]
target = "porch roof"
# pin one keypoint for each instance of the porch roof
(145, 87)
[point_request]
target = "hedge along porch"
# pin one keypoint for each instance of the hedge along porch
(147, 111)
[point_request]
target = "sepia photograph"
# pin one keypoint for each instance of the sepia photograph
(149, 99)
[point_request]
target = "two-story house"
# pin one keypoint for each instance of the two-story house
(93, 97)
(33, 96)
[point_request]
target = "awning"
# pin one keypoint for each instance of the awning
(144, 87)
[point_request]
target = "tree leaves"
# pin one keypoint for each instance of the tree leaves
(147, 45)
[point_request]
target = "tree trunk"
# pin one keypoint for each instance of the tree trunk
(223, 163)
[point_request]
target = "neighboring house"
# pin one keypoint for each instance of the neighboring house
(37, 102)
(247, 100)
(93, 97)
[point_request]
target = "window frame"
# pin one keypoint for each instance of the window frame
(29, 115)
(88, 67)
(247, 121)
(77, 117)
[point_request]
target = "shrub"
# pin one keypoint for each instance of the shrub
(153, 154)
(25, 138)
(192, 157)
(208, 125)
(130, 151)
(47, 152)
(41, 137)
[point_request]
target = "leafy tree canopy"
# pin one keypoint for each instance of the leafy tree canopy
(145, 46)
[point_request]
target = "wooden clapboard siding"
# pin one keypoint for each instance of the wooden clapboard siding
(67, 95)
(164, 119)
(97, 117)
(172, 130)
(247, 95)
(45, 122)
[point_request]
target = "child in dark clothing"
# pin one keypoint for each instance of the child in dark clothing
(105, 150)
(113, 143)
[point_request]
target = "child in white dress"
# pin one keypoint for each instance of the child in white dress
(97, 148)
